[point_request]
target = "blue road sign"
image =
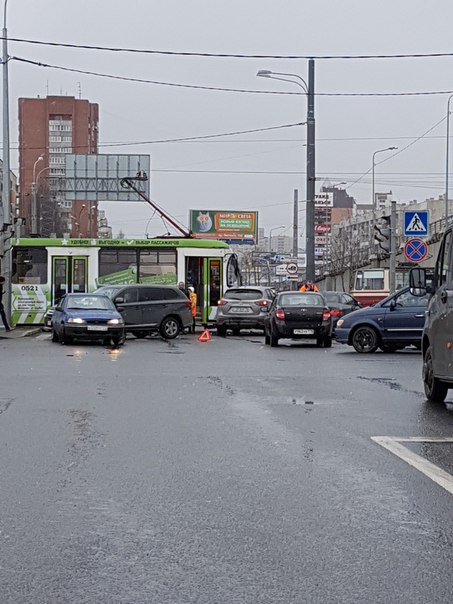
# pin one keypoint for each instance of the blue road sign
(416, 223)
(416, 250)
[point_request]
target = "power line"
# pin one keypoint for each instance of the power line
(223, 89)
(429, 55)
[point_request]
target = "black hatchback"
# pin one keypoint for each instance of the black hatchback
(299, 315)
(151, 308)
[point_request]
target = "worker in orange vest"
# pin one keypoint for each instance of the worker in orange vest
(308, 286)
(193, 301)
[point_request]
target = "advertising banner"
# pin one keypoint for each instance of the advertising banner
(229, 226)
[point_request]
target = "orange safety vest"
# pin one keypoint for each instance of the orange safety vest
(193, 300)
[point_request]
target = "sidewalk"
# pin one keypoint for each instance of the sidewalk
(19, 332)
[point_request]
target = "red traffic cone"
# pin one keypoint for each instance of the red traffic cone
(205, 336)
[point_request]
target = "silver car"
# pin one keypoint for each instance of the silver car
(243, 307)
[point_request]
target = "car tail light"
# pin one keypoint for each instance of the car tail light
(188, 303)
(280, 314)
(263, 303)
(222, 303)
(336, 312)
(326, 315)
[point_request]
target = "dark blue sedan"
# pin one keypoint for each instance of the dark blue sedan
(390, 325)
(87, 316)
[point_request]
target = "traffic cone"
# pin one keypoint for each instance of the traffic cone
(205, 336)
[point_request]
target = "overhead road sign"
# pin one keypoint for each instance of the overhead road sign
(415, 250)
(416, 223)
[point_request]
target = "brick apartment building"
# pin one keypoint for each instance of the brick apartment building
(50, 128)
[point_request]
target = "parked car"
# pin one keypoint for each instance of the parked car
(87, 316)
(48, 319)
(340, 304)
(299, 315)
(395, 322)
(243, 307)
(151, 308)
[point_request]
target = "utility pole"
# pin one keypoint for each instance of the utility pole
(392, 269)
(311, 174)
(295, 230)
(5, 217)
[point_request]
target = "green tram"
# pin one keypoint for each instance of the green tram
(43, 270)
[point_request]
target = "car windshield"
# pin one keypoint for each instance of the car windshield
(301, 300)
(243, 294)
(90, 303)
(331, 297)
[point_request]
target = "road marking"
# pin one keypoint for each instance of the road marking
(436, 474)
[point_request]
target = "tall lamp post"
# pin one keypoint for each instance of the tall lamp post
(309, 91)
(34, 202)
(373, 201)
(447, 160)
(270, 236)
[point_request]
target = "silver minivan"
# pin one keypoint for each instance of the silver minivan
(437, 339)
(148, 309)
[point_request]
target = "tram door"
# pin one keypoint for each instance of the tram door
(69, 275)
(205, 275)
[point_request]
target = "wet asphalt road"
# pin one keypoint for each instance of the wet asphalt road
(225, 472)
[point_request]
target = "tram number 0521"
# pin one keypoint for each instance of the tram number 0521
(29, 288)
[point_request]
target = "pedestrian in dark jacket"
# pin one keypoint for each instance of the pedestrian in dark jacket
(2, 308)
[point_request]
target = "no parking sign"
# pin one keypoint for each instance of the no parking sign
(415, 250)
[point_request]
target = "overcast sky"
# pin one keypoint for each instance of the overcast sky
(195, 175)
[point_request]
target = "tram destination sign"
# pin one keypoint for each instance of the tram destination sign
(227, 225)
(98, 177)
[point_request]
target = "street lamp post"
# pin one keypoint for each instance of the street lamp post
(5, 210)
(447, 160)
(34, 203)
(373, 201)
(309, 90)
(270, 236)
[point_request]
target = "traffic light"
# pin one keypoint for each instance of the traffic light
(382, 233)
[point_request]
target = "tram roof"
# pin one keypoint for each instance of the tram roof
(103, 243)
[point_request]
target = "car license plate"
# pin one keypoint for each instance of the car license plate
(97, 328)
(304, 332)
(240, 311)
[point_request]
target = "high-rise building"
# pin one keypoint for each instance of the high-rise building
(49, 128)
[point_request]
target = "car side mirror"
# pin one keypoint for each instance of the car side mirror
(59, 308)
(119, 300)
(417, 282)
(392, 304)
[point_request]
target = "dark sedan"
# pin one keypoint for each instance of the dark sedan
(87, 316)
(298, 315)
(390, 325)
(340, 304)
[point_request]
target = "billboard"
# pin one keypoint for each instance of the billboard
(98, 177)
(229, 226)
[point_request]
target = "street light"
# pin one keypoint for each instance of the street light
(270, 235)
(309, 90)
(34, 205)
(447, 160)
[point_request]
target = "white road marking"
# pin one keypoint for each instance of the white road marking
(436, 474)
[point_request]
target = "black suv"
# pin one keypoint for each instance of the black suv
(151, 308)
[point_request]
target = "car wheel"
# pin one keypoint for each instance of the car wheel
(139, 334)
(328, 342)
(221, 331)
(55, 337)
(273, 340)
(435, 390)
(236, 331)
(365, 339)
(169, 328)
(65, 339)
(267, 339)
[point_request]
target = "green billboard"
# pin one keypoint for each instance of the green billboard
(227, 225)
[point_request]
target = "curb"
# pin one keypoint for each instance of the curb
(18, 333)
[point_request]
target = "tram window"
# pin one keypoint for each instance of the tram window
(114, 261)
(29, 265)
(157, 266)
(370, 280)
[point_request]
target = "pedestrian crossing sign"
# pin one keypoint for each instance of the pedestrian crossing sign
(416, 223)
